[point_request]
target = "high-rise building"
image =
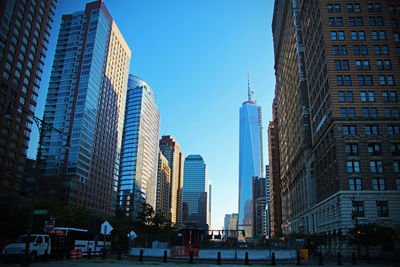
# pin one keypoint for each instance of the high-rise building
(259, 206)
(139, 153)
(349, 53)
(170, 148)
(86, 101)
(195, 197)
(275, 207)
(24, 35)
(231, 226)
(163, 187)
(250, 159)
(291, 96)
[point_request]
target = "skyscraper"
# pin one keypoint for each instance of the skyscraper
(163, 187)
(195, 197)
(275, 206)
(86, 101)
(139, 153)
(170, 148)
(349, 53)
(259, 194)
(250, 159)
(24, 35)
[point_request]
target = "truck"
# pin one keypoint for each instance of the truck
(39, 246)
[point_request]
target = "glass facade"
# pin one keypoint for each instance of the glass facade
(195, 197)
(250, 160)
(139, 154)
(86, 101)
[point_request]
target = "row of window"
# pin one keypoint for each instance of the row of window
(375, 166)
(365, 80)
(360, 50)
(347, 96)
(370, 112)
(363, 65)
(382, 208)
(358, 35)
(371, 129)
(357, 21)
(354, 8)
(374, 149)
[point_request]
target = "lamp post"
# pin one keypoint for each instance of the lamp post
(43, 127)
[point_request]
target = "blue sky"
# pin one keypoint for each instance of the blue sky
(195, 54)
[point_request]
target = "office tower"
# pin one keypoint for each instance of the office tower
(351, 61)
(250, 159)
(170, 148)
(86, 101)
(209, 204)
(259, 193)
(291, 96)
(139, 154)
(24, 35)
(163, 187)
(275, 207)
(195, 198)
(227, 221)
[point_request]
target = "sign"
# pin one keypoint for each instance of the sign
(48, 225)
(106, 228)
(37, 212)
(132, 235)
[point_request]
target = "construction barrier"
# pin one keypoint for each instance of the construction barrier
(304, 253)
(76, 254)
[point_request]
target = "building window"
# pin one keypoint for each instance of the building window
(333, 35)
(343, 49)
(374, 113)
(382, 208)
(388, 65)
(374, 35)
(378, 184)
(371, 129)
(382, 35)
(374, 149)
(338, 65)
(365, 112)
(398, 184)
(376, 166)
(335, 49)
(355, 184)
(349, 130)
(337, 8)
(349, 96)
(396, 166)
(371, 96)
(396, 37)
(351, 149)
(394, 23)
(395, 113)
(393, 96)
(339, 79)
(347, 79)
(361, 81)
(358, 209)
(352, 21)
(395, 148)
(353, 166)
(342, 96)
(393, 129)
(363, 96)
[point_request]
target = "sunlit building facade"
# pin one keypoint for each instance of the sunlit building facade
(139, 154)
(86, 101)
(195, 197)
(171, 150)
(24, 36)
(250, 160)
(163, 187)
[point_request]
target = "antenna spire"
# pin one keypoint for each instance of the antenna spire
(250, 91)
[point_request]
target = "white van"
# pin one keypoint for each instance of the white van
(39, 246)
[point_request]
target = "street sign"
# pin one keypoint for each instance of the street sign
(48, 226)
(132, 235)
(106, 228)
(37, 212)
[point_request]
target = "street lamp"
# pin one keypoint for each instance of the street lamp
(43, 127)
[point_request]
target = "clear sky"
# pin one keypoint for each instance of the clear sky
(195, 54)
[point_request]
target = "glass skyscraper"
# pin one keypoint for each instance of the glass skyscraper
(86, 101)
(250, 159)
(195, 196)
(139, 154)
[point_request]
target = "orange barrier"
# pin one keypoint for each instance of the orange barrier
(76, 254)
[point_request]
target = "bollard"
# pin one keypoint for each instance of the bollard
(320, 260)
(165, 257)
(353, 258)
(191, 258)
(219, 258)
(298, 258)
(103, 254)
(246, 259)
(141, 255)
(89, 255)
(339, 259)
(273, 259)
